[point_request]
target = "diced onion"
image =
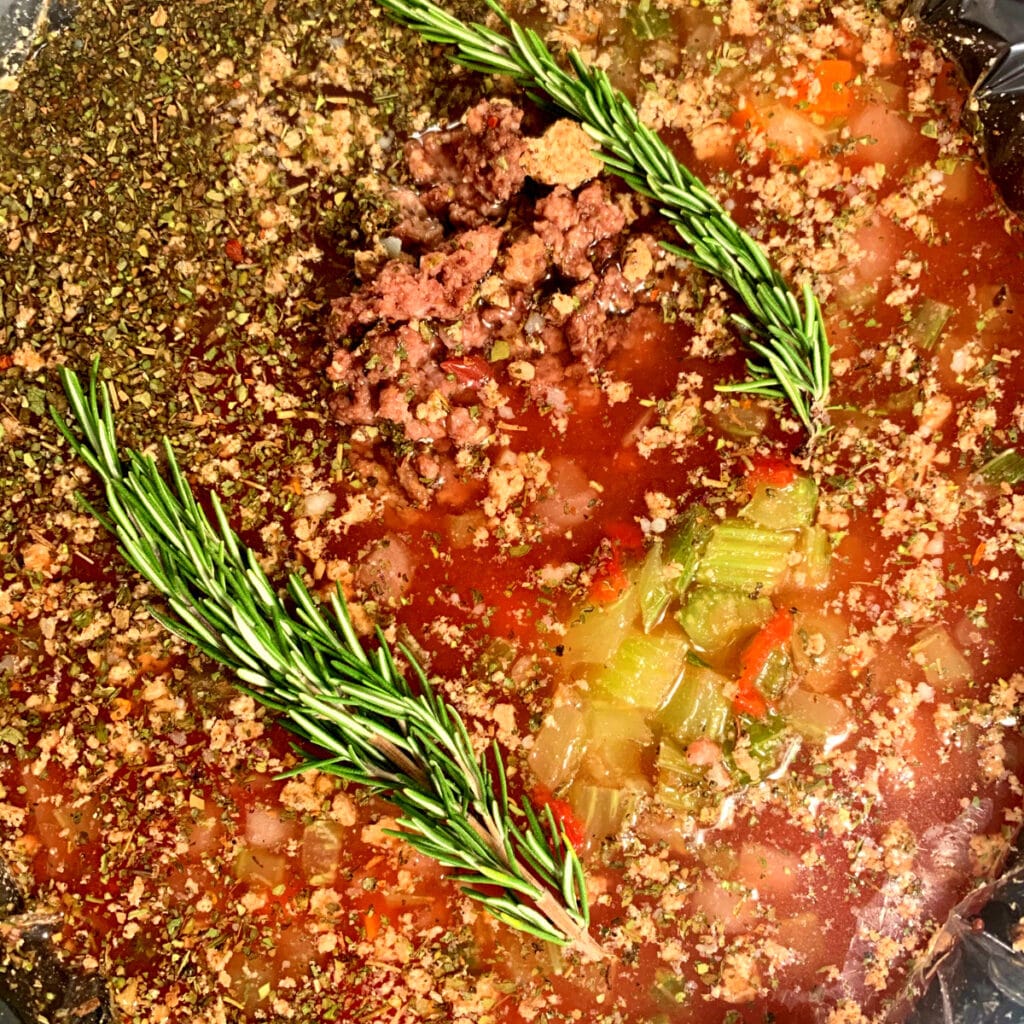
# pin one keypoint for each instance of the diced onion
(941, 660)
(321, 851)
(260, 867)
(318, 503)
(559, 746)
(571, 500)
(265, 827)
(821, 719)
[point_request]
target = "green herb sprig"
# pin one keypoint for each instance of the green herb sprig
(377, 730)
(791, 354)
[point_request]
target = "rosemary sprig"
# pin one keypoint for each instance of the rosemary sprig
(378, 731)
(786, 333)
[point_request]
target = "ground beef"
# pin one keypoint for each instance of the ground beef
(471, 172)
(495, 271)
(572, 225)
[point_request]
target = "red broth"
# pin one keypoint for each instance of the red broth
(207, 889)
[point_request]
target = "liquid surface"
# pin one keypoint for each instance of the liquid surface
(140, 793)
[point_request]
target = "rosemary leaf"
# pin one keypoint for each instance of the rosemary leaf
(788, 338)
(374, 729)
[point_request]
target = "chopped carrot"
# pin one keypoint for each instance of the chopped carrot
(625, 534)
(371, 924)
(610, 579)
(149, 664)
(979, 554)
(835, 94)
(747, 115)
(773, 636)
(790, 132)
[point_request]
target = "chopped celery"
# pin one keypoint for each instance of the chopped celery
(741, 556)
(713, 618)
(765, 742)
(783, 508)
(603, 810)
(681, 784)
(927, 323)
(699, 707)
(594, 636)
(775, 673)
(617, 738)
(653, 588)
(815, 564)
(672, 760)
(685, 546)
(643, 671)
(1006, 468)
(765, 737)
(686, 799)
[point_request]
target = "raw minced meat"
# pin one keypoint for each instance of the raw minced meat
(497, 281)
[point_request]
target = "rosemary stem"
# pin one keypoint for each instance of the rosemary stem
(791, 354)
(375, 729)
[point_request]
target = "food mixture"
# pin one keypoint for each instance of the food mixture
(423, 347)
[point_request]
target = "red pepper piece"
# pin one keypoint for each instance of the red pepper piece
(626, 535)
(774, 635)
(565, 816)
(770, 470)
(467, 369)
(610, 580)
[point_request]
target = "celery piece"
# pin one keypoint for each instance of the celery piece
(680, 797)
(699, 707)
(672, 760)
(713, 617)
(815, 566)
(643, 671)
(685, 546)
(1006, 468)
(775, 675)
(603, 810)
(741, 556)
(783, 508)
(765, 740)
(927, 323)
(653, 588)
(681, 783)
(595, 634)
